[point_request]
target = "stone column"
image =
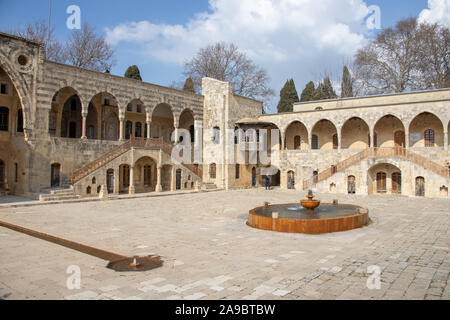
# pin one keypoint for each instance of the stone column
(84, 115)
(121, 127)
(158, 180)
(173, 179)
(149, 129)
(407, 137)
(131, 189)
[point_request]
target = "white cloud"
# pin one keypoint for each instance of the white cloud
(438, 12)
(289, 38)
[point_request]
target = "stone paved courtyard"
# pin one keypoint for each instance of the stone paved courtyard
(210, 253)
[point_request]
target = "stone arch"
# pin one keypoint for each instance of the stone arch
(385, 129)
(380, 177)
(107, 109)
(23, 89)
(163, 122)
(296, 136)
(186, 122)
(355, 134)
(420, 124)
(145, 174)
(57, 104)
(325, 131)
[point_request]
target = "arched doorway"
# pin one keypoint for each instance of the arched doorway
(145, 174)
(420, 187)
(291, 180)
(355, 134)
(55, 175)
(186, 122)
(325, 135)
(384, 178)
(92, 122)
(162, 122)
(71, 120)
(351, 185)
(388, 131)
(103, 115)
(426, 130)
(296, 136)
(2, 174)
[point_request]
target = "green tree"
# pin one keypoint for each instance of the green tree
(133, 73)
(288, 96)
(309, 92)
(328, 89)
(347, 84)
(189, 85)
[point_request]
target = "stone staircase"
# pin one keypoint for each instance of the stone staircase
(209, 186)
(378, 153)
(59, 195)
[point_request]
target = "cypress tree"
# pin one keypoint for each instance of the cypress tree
(189, 85)
(328, 89)
(346, 85)
(309, 92)
(288, 96)
(133, 73)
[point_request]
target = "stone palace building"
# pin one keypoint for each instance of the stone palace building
(67, 132)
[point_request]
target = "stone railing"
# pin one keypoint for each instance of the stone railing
(377, 153)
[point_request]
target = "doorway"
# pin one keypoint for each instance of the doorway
(55, 175)
(178, 179)
(397, 183)
(351, 185)
(420, 187)
(381, 182)
(110, 180)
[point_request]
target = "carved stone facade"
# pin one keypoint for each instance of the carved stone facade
(62, 126)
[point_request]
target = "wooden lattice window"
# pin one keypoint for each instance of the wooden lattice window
(429, 138)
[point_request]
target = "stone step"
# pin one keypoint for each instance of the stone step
(53, 197)
(62, 192)
(209, 186)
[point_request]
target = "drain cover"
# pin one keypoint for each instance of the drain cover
(136, 264)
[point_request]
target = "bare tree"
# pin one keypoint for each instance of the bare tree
(434, 55)
(38, 31)
(225, 62)
(86, 49)
(389, 63)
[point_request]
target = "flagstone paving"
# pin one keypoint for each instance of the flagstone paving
(210, 253)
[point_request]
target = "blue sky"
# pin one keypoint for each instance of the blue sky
(159, 35)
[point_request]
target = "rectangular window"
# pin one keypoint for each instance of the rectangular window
(16, 172)
(3, 89)
(237, 174)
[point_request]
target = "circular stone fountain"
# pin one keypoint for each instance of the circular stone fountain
(310, 216)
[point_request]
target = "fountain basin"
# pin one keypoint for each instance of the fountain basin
(293, 218)
(310, 204)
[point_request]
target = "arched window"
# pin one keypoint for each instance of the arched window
(291, 180)
(73, 105)
(212, 170)
(315, 142)
(4, 118)
(20, 120)
(236, 135)
(129, 107)
(429, 138)
(297, 142)
(138, 130)
(88, 190)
